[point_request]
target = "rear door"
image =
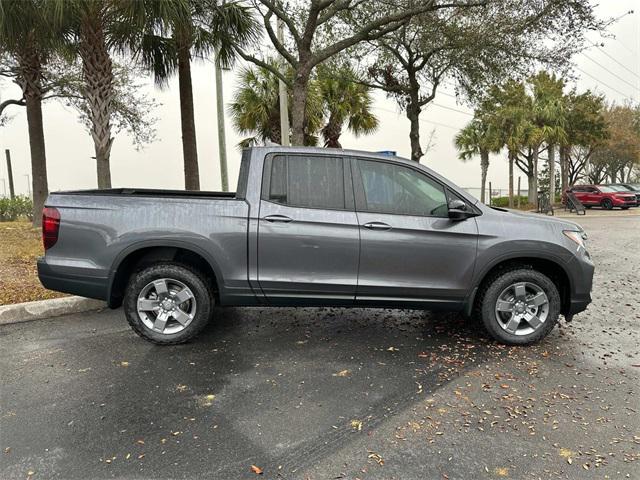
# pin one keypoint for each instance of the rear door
(308, 236)
(410, 251)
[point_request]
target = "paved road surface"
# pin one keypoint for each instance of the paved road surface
(332, 393)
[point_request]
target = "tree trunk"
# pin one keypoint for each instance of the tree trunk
(39, 185)
(188, 123)
(331, 133)
(484, 167)
(552, 173)
(532, 178)
(98, 91)
(29, 78)
(511, 160)
(299, 105)
(564, 168)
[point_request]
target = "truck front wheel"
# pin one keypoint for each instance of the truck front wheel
(168, 303)
(519, 306)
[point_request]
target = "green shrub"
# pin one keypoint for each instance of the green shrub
(16, 208)
(503, 202)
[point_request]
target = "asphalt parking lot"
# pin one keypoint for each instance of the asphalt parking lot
(332, 393)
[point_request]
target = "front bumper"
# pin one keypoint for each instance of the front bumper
(75, 280)
(581, 270)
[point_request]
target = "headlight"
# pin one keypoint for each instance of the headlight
(578, 237)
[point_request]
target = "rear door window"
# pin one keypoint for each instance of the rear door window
(307, 181)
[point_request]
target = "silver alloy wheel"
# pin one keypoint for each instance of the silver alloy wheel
(522, 308)
(166, 306)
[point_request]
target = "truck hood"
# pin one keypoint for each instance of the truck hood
(536, 217)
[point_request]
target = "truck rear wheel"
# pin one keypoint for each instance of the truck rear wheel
(168, 303)
(519, 306)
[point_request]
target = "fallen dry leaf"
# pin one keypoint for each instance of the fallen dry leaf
(356, 425)
(342, 373)
(256, 470)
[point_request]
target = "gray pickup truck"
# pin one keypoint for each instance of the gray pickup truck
(312, 227)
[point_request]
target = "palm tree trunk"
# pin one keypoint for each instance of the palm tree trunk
(552, 173)
(187, 116)
(532, 178)
(564, 168)
(39, 184)
(511, 160)
(331, 133)
(29, 79)
(299, 105)
(98, 91)
(484, 167)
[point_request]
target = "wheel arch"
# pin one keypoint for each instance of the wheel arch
(551, 267)
(146, 253)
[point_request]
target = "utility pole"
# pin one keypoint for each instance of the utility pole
(284, 100)
(222, 140)
(12, 192)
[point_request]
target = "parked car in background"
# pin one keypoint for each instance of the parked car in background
(628, 187)
(603, 196)
(315, 227)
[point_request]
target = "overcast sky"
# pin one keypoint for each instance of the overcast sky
(613, 70)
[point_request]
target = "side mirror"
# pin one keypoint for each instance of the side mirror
(458, 210)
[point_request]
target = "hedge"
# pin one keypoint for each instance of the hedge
(16, 208)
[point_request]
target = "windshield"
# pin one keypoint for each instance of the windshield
(607, 189)
(619, 188)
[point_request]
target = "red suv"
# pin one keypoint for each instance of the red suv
(603, 196)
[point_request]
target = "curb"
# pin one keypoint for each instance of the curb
(25, 312)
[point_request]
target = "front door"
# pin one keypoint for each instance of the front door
(308, 238)
(410, 251)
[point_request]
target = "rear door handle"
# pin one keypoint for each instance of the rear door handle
(278, 218)
(377, 226)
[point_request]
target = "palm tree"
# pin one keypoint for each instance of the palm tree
(175, 31)
(92, 29)
(26, 36)
(255, 108)
(345, 101)
(548, 117)
(478, 138)
(507, 109)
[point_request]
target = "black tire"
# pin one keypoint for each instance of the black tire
(607, 204)
(624, 208)
(492, 288)
(204, 301)
(588, 206)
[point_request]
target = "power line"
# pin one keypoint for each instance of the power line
(612, 73)
(612, 58)
(606, 85)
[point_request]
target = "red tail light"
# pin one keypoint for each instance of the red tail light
(50, 226)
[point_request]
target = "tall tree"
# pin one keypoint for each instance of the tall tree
(620, 154)
(478, 137)
(473, 48)
(507, 110)
(173, 32)
(93, 28)
(320, 29)
(27, 37)
(345, 101)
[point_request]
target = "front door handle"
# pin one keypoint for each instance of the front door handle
(278, 218)
(377, 226)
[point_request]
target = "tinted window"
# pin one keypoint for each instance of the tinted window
(399, 190)
(301, 181)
